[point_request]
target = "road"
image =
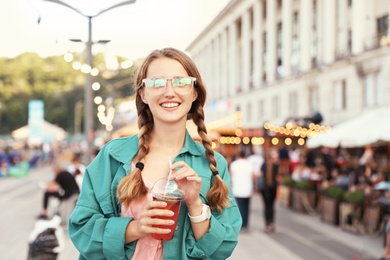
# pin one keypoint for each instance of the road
(298, 236)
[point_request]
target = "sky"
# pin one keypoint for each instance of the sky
(133, 30)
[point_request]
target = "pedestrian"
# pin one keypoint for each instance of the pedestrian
(77, 169)
(257, 159)
(269, 173)
(386, 253)
(243, 177)
(62, 187)
(115, 214)
(284, 162)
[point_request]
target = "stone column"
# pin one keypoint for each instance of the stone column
(224, 64)
(370, 40)
(329, 24)
(287, 36)
(358, 26)
(232, 59)
(342, 28)
(271, 40)
(257, 43)
(216, 68)
(305, 34)
(245, 51)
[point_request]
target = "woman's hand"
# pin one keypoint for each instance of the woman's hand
(149, 217)
(188, 181)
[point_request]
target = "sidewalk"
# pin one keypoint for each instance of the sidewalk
(303, 236)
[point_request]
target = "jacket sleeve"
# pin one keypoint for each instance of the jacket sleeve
(222, 237)
(95, 227)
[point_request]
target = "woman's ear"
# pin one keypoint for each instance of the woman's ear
(142, 95)
(195, 96)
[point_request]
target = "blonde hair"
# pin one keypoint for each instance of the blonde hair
(131, 187)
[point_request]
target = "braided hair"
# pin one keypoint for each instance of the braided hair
(131, 187)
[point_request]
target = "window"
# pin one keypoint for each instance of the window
(260, 110)
(295, 43)
(314, 48)
(314, 14)
(313, 99)
(340, 96)
(382, 25)
(279, 54)
(251, 68)
(295, 54)
(275, 107)
(372, 90)
(378, 89)
(249, 112)
(349, 41)
(295, 28)
(293, 104)
(264, 56)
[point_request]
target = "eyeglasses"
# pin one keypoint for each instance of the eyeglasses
(157, 86)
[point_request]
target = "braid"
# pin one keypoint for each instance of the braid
(218, 195)
(132, 186)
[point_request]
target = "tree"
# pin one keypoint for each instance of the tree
(51, 79)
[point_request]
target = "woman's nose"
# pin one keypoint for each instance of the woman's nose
(169, 89)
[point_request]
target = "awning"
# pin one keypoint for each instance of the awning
(50, 133)
(370, 128)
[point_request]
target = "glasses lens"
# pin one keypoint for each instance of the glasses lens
(181, 81)
(155, 85)
(182, 84)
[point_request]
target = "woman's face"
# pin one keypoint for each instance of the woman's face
(168, 106)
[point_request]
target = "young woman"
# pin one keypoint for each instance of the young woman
(115, 214)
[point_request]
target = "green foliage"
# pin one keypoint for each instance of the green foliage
(354, 197)
(333, 192)
(288, 181)
(303, 185)
(51, 79)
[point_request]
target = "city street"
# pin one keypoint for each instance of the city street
(298, 236)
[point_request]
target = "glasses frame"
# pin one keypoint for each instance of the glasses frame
(193, 81)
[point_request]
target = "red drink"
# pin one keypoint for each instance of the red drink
(173, 204)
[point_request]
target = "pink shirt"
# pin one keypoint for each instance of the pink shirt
(147, 247)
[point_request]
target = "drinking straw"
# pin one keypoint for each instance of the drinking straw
(169, 174)
(170, 164)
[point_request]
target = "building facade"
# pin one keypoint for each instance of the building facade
(274, 60)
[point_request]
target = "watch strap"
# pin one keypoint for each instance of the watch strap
(202, 217)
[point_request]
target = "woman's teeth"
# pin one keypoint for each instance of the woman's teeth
(170, 105)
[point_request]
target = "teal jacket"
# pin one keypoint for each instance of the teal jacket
(98, 231)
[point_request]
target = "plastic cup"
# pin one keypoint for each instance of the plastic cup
(168, 191)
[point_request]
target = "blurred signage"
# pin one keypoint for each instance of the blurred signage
(35, 120)
(221, 105)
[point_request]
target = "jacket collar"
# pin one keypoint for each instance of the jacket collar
(127, 149)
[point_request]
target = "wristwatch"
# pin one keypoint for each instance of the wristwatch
(206, 214)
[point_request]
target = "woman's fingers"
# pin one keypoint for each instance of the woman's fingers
(154, 218)
(181, 171)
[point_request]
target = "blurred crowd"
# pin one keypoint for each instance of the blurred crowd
(18, 160)
(365, 170)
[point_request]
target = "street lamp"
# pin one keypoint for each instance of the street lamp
(88, 105)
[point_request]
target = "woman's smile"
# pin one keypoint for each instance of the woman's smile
(170, 104)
